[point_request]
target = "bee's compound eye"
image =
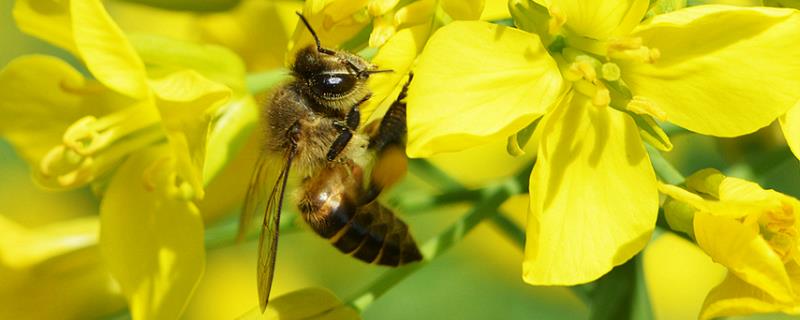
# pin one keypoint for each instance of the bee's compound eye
(333, 85)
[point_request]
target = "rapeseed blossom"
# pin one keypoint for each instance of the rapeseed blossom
(597, 75)
(753, 232)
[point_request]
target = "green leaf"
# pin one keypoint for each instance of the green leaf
(305, 304)
(163, 56)
(621, 294)
(651, 132)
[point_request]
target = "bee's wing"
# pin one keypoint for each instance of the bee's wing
(264, 174)
(268, 241)
(270, 171)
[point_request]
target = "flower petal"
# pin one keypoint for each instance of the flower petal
(186, 101)
(740, 248)
(790, 124)
(475, 82)
(735, 297)
(397, 54)
(704, 78)
(151, 242)
(46, 20)
(594, 200)
(600, 19)
(463, 10)
(106, 51)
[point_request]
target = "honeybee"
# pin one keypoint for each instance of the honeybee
(311, 128)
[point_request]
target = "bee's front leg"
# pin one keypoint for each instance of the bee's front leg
(350, 124)
(345, 134)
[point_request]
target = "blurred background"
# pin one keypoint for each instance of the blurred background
(480, 278)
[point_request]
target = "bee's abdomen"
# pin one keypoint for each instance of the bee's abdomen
(375, 234)
(370, 232)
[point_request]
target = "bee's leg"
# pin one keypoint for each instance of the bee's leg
(392, 129)
(352, 119)
(389, 143)
(345, 134)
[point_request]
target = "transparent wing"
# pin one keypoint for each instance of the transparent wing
(264, 175)
(268, 241)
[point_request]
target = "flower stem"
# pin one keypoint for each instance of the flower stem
(665, 170)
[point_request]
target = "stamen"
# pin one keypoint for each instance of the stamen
(63, 167)
(89, 135)
(641, 105)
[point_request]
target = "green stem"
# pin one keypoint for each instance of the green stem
(665, 170)
(509, 229)
(425, 202)
(433, 248)
(433, 175)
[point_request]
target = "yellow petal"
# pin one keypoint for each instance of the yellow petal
(593, 195)
(228, 134)
(397, 54)
(495, 10)
(463, 10)
(600, 19)
(164, 56)
(735, 297)
(475, 82)
(47, 20)
(790, 124)
(186, 101)
(740, 248)
(152, 243)
(106, 51)
(703, 79)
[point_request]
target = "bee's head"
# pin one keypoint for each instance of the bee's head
(335, 79)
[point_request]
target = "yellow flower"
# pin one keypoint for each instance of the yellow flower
(137, 132)
(753, 232)
(598, 76)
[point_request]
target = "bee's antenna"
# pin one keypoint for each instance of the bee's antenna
(313, 34)
(369, 72)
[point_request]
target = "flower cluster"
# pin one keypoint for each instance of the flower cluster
(591, 92)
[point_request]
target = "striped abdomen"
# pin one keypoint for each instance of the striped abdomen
(369, 231)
